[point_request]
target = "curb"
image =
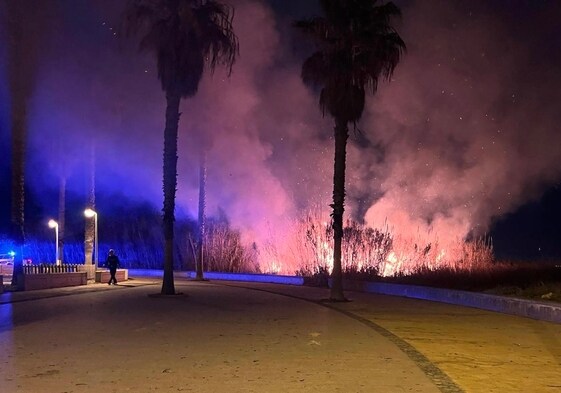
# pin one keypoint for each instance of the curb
(543, 311)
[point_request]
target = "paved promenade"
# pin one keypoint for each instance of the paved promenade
(249, 337)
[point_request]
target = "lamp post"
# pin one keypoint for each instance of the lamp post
(54, 224)
(91, 213)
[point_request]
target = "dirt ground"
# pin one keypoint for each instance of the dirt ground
(540, 292)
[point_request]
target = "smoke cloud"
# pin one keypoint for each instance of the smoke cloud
(468, 126)
(466, 131)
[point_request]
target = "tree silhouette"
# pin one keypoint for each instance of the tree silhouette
(356, 45)
(185, 36)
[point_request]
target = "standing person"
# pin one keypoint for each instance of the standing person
(112, 262)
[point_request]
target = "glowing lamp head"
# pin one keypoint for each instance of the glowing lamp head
(53, 224)
(12, 253)
(89, 213)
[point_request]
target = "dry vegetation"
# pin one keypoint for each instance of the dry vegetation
(225, 252)
(368, 254)
(378, 255)
(371, 252)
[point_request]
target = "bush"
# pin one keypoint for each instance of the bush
(225, 252)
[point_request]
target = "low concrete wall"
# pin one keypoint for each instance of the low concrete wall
(544, 311)
(147, 273)
(6, 270)
(265, 278)
(32, 282)
(104, 275)
(89, 269)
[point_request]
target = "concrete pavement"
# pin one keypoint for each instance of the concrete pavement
(243, 337)
(478, 350)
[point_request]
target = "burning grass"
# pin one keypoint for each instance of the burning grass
(379, 255)
(372, 252)
(369, 254)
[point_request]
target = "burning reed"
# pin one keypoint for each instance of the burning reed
(372, 252)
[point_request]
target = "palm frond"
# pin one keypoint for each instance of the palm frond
(221, 44)
(315, 70)
(356, 46)
(186, 36)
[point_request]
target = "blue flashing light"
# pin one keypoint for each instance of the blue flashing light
(12, 253)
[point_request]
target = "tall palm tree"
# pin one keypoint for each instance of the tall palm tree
(356, 46)
(186, 36)
(22, 51)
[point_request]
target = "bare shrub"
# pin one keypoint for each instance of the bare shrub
(364, 249)
(225, 252)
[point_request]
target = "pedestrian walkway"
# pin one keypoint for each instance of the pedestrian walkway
(244, 337)
(21, 296)
(479, 351)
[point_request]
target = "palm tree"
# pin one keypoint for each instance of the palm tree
(22, 52)
(356, 45)
(185, 35)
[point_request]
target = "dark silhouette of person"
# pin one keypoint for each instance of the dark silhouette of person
(112, 263)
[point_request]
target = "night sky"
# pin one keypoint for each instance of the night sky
(463, 142)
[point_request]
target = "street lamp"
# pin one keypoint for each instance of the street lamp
(54, 224)
(91, 213)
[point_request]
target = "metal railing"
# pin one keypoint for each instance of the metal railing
(46, 268)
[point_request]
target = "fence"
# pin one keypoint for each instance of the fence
(50, 268)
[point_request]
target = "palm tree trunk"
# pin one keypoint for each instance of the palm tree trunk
(170, 187)
(89, 236)
(341, 136)
(202, 205)
(20, 71)
(19, 127)
(61, 217)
